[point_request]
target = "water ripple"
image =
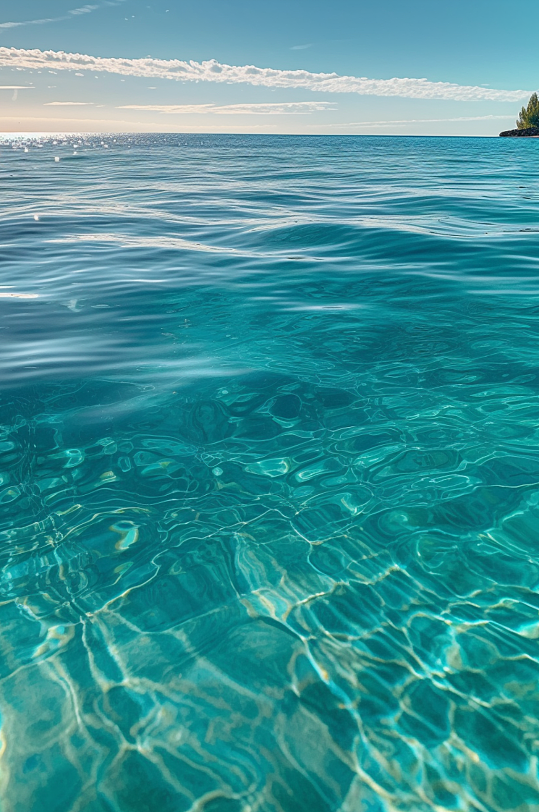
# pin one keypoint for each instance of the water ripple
(269, 480)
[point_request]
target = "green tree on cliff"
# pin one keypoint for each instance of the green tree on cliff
(529, 116)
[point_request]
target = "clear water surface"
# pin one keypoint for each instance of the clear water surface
(269, 503)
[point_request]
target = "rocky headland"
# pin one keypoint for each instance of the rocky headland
(527, 132)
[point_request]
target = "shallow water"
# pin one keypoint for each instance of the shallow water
(269, 508)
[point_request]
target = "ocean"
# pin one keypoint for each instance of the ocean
(269, 503)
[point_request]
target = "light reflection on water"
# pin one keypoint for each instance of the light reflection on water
(269, 474)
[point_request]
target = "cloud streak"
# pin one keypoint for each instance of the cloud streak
(44, 21)
(273, 108)
(74, 12)
(216, 72)
(68, 104)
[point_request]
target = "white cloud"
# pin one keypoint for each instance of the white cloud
(301, 47)
(68, 104)
(15, 87)
(212, 71)
(273, 108)
(82, 10)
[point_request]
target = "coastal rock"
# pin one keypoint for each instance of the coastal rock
(529, 132)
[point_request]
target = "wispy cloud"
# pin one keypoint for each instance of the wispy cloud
(273, 108)
(15, 89)
(212, 71)
(301, 47)
(68, 104)
(74, 12)
(83, 10)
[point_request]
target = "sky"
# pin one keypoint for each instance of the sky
(410, 67)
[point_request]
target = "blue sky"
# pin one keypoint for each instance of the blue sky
(306, 66)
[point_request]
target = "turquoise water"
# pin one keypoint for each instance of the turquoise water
(269, 509)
